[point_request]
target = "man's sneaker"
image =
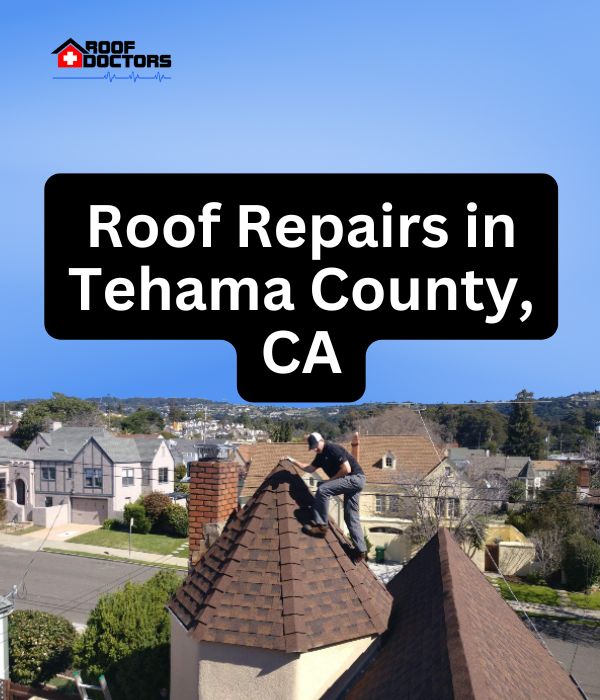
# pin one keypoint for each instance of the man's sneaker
(356, 555)
(314, 530)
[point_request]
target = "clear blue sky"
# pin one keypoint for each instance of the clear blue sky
(306, 87)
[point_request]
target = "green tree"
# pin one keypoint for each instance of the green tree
(144, 420)
(176, 414)
(524, 437)
(174, 521)
(141, 522)
(281, 432)
(516, 491)
(180, 471)
(155, 504)
(581, 562)
(40, 645)
(69, 410)
(127, 639)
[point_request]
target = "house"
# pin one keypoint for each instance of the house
(70, 54)
(268, 612)
(480, 464)
(16, 480)
(183, 451)
(94, 473)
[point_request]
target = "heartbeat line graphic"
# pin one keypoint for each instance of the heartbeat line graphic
(133, 76)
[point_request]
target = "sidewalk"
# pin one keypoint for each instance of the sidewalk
(55, 539)
(566, 612)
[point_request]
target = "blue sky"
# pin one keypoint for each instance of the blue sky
(305, 87)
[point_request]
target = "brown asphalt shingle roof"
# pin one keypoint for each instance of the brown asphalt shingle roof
(452, 637)
(266, 584)
(415, 457)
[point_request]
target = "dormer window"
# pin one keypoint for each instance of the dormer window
(389, 461)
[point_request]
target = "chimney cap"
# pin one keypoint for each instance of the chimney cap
(213, 451)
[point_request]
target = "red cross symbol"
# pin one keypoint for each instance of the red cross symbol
(70, 57)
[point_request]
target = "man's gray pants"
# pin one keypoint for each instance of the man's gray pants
(350, 487)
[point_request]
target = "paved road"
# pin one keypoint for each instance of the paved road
(64, 585)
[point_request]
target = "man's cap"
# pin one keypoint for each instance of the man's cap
(313, 440)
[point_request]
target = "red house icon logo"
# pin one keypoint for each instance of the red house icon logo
(70, 54)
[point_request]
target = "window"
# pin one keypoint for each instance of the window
(92, 478)
(128, 476)
(394, 504)
(163, 475)
(49, 473)
(389, 461)
(69, 472)
(2, 485)
(387, 504)
(447, 507)
(453, 507)
(48, 502)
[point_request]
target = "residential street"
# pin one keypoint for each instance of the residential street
(64, 585)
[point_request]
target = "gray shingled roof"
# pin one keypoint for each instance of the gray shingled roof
(147, 447)
(64, 443)
(119, 449)
(8, 450)
(183, 451)
(476, 466)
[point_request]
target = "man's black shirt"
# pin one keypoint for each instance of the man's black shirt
(332, 458)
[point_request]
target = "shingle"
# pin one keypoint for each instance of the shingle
(452, 637)
(415, 457)
(290, 591)
(8, 450)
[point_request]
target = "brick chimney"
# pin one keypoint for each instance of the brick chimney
(213, 496)
(583, 481)
(355, 444)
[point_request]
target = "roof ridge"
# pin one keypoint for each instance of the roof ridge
(462, 682)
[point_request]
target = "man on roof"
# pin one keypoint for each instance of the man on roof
(346, 478)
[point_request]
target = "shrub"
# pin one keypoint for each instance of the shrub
(39, 645)
(141, 522)
(112, 524)
(2, 509)
(581, 562)
(127, 639)
(180, 471)
(155, 504)
(174, 521)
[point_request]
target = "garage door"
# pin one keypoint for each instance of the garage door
(89, 511)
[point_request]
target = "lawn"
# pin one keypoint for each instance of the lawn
(155, 544)
(530, 594)
(22, 530)
(589, 602)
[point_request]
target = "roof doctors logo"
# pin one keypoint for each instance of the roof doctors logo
(110, 56)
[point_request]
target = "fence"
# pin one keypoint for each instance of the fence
(9, 690)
